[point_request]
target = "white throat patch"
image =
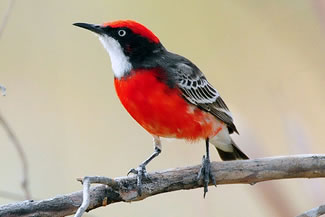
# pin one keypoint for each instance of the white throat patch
(120, 62)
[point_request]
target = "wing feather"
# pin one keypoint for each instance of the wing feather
(198, 91)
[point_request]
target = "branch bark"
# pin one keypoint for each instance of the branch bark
(123, 189)
(315, 212)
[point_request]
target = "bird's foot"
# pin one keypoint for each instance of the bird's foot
(206, 174)
(141, 173)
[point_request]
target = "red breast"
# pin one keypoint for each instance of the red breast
(161, 110)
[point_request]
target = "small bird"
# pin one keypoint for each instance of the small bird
(166, 94)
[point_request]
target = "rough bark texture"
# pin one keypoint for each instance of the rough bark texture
(318, 211)
(185, 178)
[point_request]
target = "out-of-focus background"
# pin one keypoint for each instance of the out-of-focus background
(266, 58)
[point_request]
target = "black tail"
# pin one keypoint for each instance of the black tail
(236, 154)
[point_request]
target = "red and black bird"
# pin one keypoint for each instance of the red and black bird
(166, 93)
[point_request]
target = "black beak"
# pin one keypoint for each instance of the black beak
(92, 27)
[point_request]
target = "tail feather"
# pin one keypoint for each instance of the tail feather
(235, 154)
(226, 147)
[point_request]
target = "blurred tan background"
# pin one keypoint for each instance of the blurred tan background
(266, 58)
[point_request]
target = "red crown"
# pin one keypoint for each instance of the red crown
(136, 27)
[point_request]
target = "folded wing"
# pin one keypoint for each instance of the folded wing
(198, 91)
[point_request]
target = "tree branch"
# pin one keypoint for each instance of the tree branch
(87, 181)
(21, 154)
(318, 211)
(2, 90)
(6, 16)
(123, 189)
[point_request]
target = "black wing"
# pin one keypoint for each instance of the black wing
(198, 91)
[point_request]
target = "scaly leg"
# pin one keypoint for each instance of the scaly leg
(205, 170)
(141, 171)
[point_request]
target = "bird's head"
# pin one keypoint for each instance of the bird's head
(129, 44)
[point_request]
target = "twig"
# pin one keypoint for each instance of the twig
(2, 90)
(85, 194)
(318, 211)
(5, 125)
(6, 16)
(2, 28)
(19, 148)
(124, 189)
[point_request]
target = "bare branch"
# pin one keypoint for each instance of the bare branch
(6, 16)
(124, 189)
(19, 148)
(2, 90)
(318, 211)
(86, 190)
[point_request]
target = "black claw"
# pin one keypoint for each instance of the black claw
(140, 172)
(206, 174)
(132, 171)
(139, 183)
(201, 171)
(214, 181)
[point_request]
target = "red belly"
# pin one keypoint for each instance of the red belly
(161, 110)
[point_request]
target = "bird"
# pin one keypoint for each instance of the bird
(166, 94)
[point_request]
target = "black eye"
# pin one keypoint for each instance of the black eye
(121, 32)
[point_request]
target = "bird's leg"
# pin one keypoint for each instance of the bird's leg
(205, 170)
(140, 171)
